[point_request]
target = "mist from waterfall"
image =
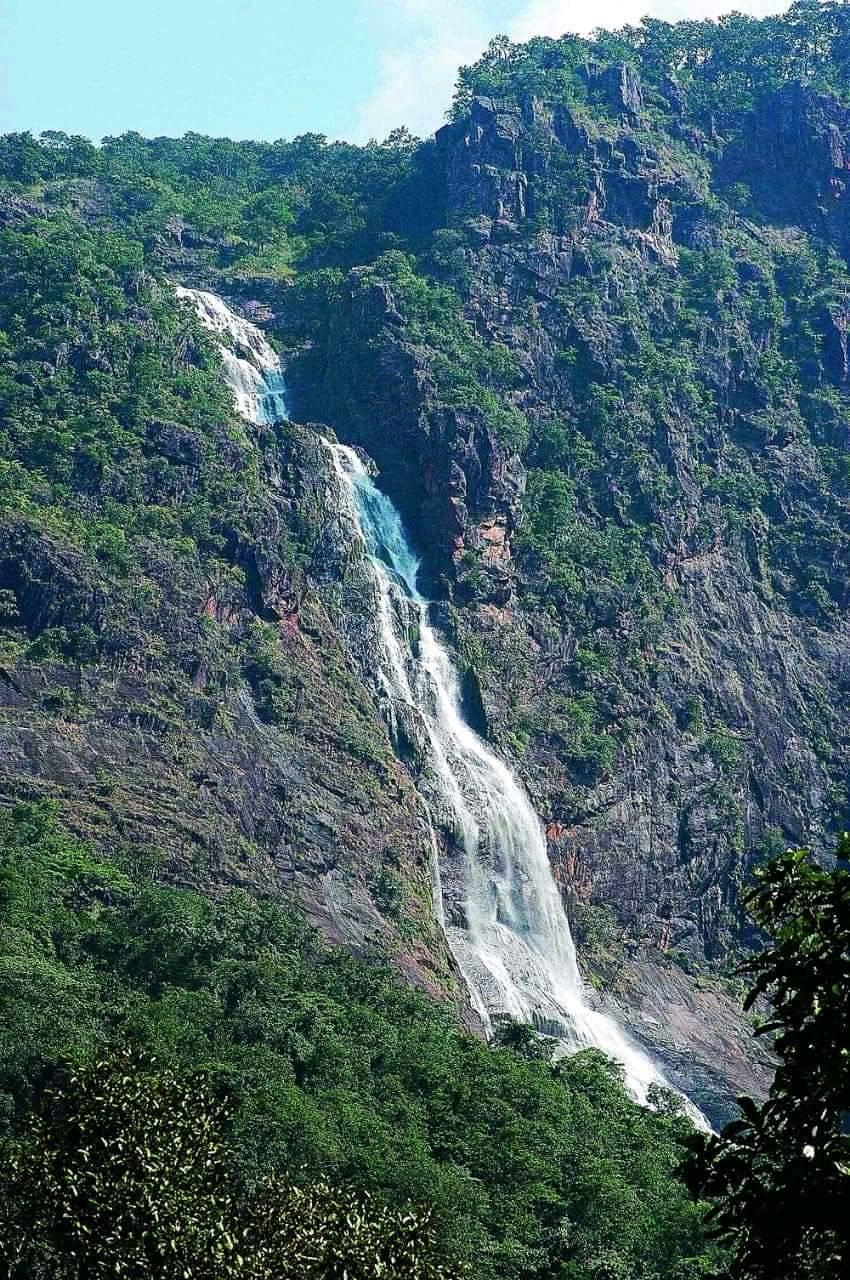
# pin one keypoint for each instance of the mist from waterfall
(505, 921)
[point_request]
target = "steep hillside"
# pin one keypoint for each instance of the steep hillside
(595, 337)
(336, 1069)
(652, 608)
(170, 673)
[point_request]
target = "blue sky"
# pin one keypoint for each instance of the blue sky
(269, 68)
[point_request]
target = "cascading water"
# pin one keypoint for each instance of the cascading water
(250, 366)
(505, 923)
(510, 936)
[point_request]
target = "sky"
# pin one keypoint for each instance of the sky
(353, 69)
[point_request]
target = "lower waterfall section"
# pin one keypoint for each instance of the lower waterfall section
(508, 930)
(503, 916)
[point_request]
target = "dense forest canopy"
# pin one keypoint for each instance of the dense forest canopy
(277, 203)
(337, 1069)
(721, 67)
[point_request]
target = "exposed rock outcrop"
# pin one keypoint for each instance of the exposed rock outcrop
(216, 725)
(793, 155)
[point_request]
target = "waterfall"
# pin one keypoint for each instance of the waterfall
(503, 915)
(249, 363)
(507, 928)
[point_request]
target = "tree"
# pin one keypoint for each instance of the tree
(119, 1172)
(524, 1040)
(779, 1177)
(322, 1232)
(124, 1172)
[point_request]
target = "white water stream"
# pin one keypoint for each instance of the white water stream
(506, 925)
(249, 364)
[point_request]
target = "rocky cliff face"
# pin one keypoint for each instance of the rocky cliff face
(201, 714)
(468, 486)
(793, 158)
(716, 723)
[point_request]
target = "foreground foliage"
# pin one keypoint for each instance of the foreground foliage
(335, 1068)
(780, 1176)
(124, 1171)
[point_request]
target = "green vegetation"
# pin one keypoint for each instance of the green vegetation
(116, 428)
(724, 747)
(779, 1177)
(468, 373)
(334, 1067)
(263, 208)
(124, 1170)
(721, 68)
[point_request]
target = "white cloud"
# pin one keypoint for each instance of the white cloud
(423, 42)
(426, 41)
(555, 17)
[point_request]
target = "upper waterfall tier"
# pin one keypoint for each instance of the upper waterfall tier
(249, 362)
